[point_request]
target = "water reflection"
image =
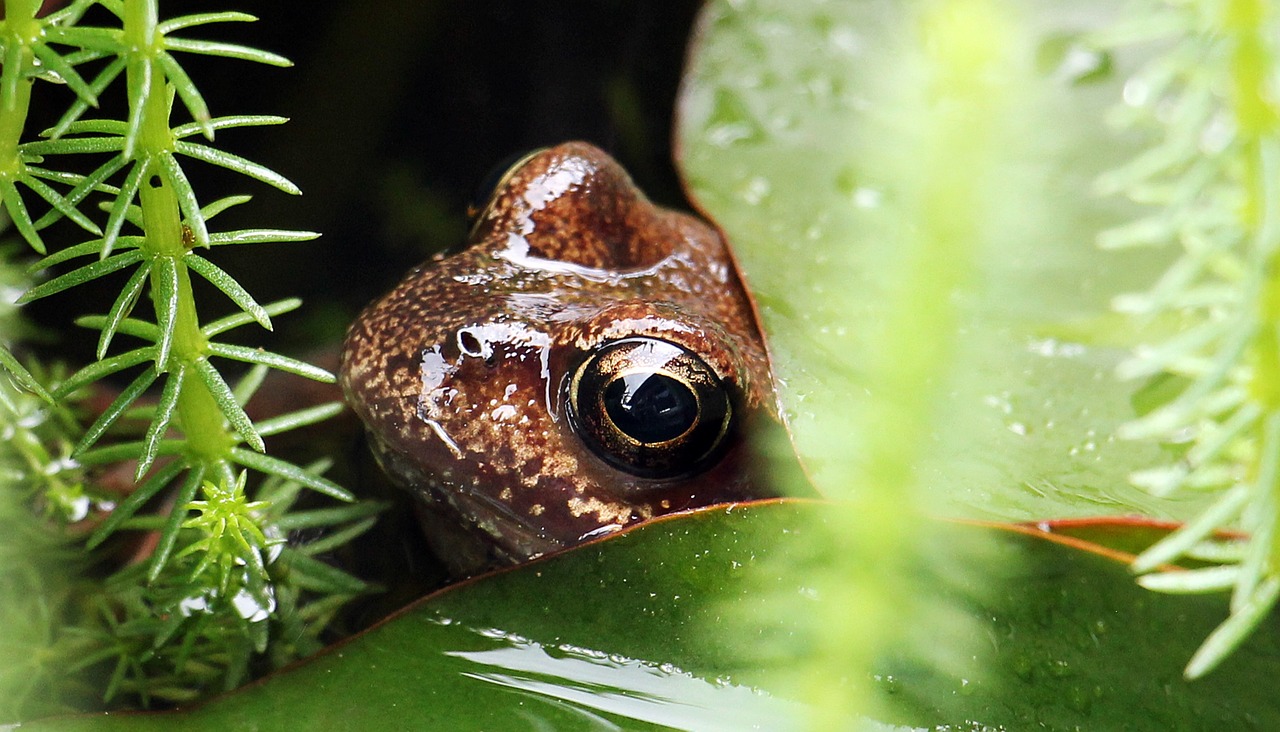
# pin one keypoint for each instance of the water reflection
(629, 688)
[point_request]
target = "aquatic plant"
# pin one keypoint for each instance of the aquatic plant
(218, 582)
(1209, 181)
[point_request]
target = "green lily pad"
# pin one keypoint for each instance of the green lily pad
(793, 133)
(617, 639)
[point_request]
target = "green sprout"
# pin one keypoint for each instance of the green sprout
(230, 534)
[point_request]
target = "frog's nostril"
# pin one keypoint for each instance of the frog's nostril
(470, 344)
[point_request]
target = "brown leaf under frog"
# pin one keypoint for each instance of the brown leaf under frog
(588, 361)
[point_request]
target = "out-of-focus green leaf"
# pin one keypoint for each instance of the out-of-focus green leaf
(783, 134)
(615, 639)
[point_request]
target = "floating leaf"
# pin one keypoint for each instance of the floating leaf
(645, 630)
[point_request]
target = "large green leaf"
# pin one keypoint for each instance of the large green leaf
(617, 636)
(787, 134)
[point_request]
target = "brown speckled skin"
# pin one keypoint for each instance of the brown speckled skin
(459, 372)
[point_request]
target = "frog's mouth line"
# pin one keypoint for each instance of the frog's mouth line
(508, 537)
(516, 538)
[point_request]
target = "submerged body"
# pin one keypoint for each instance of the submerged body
(589, 360)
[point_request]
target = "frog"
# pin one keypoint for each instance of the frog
(586, 361)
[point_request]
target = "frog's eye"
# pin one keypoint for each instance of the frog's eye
(496, 178)
(649, 407)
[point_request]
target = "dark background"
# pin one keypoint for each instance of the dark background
(399, 109)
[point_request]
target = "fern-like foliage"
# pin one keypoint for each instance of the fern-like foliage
(220, 580)
(1212, 180)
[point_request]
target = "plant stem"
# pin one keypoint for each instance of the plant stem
(20, 29)
(207, 437)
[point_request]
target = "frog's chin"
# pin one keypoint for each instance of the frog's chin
(469, 541)
(468, 532)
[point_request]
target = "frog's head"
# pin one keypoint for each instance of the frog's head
(589, 360)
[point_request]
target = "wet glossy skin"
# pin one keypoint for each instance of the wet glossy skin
(463, 372)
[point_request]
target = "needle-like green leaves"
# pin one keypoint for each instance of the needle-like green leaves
(82, 275)
(274, 360)
(121, 308)
(136, 500)
(22, 376)
(165, 292)
(1210, 186)
(193, 418)
(289, 471)
(160, 421)
(231, 408)
(223, 325)
(228, 50)
(108, 74)
(127, 397)
(300, 418)
(238, 164)
(232, 289)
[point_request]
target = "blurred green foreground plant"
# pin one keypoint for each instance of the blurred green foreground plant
(1213, 178)
(215, 582)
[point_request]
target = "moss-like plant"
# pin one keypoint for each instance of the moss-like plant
(220, 584)
(1211, 179)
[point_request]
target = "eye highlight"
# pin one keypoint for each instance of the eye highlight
(649, 407)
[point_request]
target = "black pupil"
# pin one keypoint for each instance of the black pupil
(650, 407)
